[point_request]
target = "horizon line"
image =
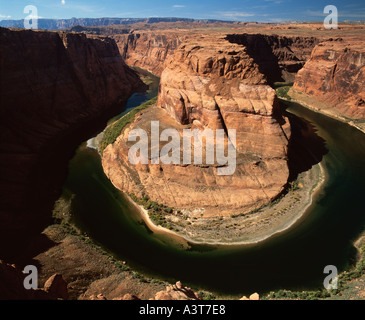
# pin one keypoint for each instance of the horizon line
(193, 19)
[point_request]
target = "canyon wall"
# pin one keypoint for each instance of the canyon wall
(278, 57)
(149, 50)
(335, 75)
(210, 83)
(55, 90)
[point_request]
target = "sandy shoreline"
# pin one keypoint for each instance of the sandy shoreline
(312, 181)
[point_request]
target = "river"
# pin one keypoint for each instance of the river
(294, 259)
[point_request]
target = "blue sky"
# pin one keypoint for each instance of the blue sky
(241, 10)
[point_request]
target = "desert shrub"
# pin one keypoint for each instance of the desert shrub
(282, 92)
(206, 295)
(168, 210)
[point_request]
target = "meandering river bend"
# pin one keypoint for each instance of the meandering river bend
(294, 259)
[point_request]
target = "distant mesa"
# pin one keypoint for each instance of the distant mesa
(60, 24)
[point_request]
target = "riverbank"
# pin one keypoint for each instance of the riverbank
(244, 229)
(194, 226)
(310, 103)
(93, 273)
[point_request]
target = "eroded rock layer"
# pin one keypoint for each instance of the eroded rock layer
(149, 50)
(210, 85)
(278, 57)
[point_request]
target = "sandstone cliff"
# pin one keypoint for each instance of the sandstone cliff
(55, 90)
(213, 84)
(148, 50)
(335, 75)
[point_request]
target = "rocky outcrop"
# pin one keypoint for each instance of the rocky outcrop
(56, 286)
(12, 286)
(177, 292)
(56, 89)
(255, 296)
(172, 292)
(335, 75)
(210, 84)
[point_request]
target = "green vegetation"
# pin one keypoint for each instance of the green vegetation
(282, 89)
(253, 211)
(301, 295)
(282, 92)
(294, 185)
(155, 210)
(112, 132)
(277, 85)
(356, 272)
(139, 277)
(204, 295)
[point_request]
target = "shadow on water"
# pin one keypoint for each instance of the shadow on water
(294, 259)
(306, 148)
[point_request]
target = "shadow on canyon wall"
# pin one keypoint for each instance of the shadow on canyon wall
(56, 90)
(279, 58)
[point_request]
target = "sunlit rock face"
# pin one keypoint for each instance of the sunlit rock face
(335, 75)
(210, 84)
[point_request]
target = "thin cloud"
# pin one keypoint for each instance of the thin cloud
(2, 17)
(277, 20)
(178, 6)
(344, 14)
(32, 16)
(235, 14)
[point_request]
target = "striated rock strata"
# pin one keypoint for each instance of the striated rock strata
(210, 84)
(335, 75)
(279, 58)
(148, 50)
(55, 90)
